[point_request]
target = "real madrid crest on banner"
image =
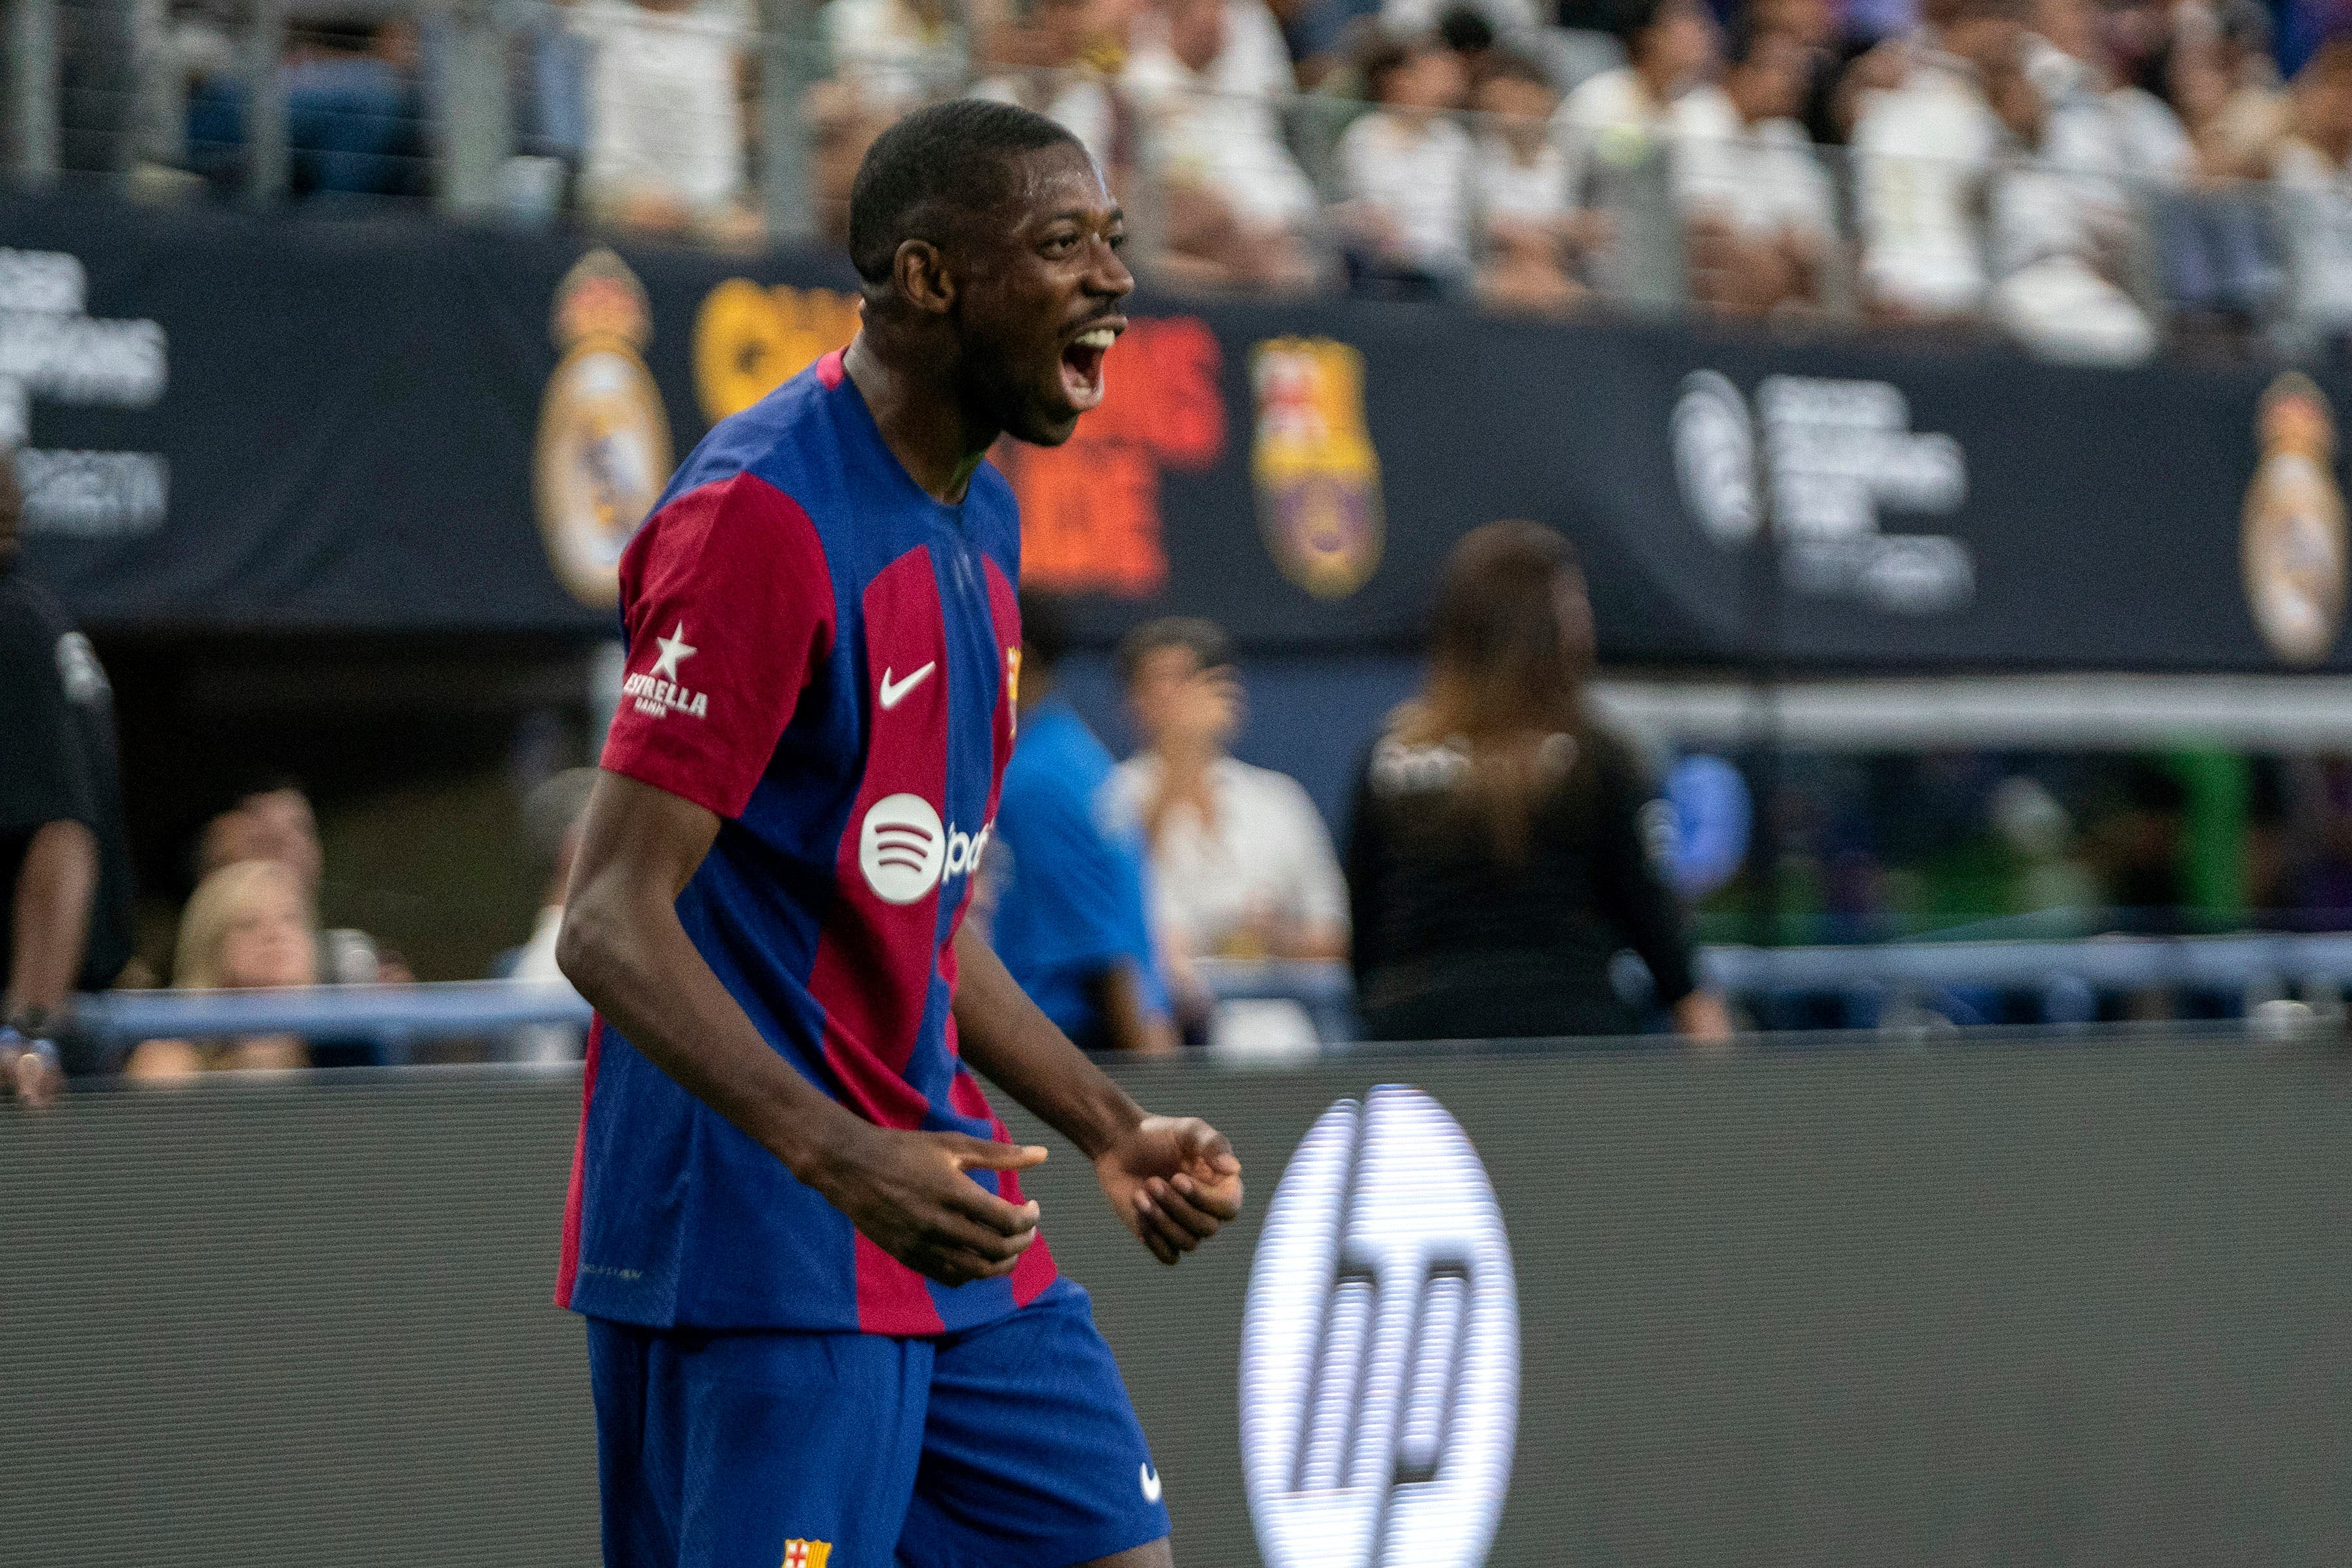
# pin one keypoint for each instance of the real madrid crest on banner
(1319, 480)
(2293, 545)
(604, 437)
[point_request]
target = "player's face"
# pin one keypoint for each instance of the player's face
(1041, 307)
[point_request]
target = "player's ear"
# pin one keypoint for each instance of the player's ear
(919, 269)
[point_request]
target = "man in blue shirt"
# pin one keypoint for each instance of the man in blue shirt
(1068, 891)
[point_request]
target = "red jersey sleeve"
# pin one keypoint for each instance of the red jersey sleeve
(729, 608)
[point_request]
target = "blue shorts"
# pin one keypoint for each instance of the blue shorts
(1008, 1445)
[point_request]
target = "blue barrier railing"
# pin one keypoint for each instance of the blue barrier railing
(2064, 973)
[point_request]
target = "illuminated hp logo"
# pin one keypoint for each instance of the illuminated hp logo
(902, 848)
(1381, 1348)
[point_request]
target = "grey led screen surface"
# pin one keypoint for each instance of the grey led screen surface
(2007, 1305)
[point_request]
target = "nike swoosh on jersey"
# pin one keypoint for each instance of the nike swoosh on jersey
(1150, 1480)
(892, 692)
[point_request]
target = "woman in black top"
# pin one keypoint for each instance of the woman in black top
(1500, 854)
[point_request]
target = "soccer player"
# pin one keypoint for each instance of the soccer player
(822, 1325)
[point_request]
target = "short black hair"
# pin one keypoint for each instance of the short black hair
(939, 163)
(1045, 628)
(1465, 30)
(1206, 639)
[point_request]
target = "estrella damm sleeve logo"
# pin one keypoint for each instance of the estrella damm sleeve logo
(603, 436)
(1319, 480)
(749, 341)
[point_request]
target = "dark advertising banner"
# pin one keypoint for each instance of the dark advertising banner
(2016, 1304)
(238, 421)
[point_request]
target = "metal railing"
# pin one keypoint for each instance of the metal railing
(1882, 985)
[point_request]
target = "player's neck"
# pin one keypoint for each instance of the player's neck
(922, 421)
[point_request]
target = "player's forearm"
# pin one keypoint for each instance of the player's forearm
(1009, 1039)
(635, 963)
(54, 890)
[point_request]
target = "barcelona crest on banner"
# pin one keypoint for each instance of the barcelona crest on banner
(1319, 480)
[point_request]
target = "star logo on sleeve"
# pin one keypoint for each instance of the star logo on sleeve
(673, 648)
(658, 691)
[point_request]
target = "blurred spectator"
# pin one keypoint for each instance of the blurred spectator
(1923, 151)
(1503, 849)
(65, 908)
(1467, 26)
(2047, 878)
(1618, 129)
(1757, 205)
(1465, 30)
(2139, 848)
(272, 819)
(2314, 193)
(1236, 204)
(1529, 221)
(550, 819)
(1406, 169)
(2057, 226)
(250, 926)
(2216, 264)
(665, 117)
(1816, 27)
(1242, 865)
(354, 119)
(1062, 78)
(1064, 882)
(1623, 118)
(893, 55)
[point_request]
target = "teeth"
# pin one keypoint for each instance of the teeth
(1100, 338)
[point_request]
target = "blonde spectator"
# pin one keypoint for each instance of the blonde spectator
(1756, 201)
(1236, 204)
(249, 926)
(665, 116)
(1529, 223)
(1406, 168)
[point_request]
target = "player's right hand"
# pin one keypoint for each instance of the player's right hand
(908, 1193)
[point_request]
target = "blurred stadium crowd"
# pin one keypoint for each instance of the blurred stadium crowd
(2088, 179)
(2091, 181)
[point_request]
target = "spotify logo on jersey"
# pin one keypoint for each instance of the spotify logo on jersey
(904, 851)
(1381, 1346)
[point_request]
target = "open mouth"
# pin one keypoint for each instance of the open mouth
(1082, 366)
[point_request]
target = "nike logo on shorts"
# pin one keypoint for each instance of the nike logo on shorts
(893, 692)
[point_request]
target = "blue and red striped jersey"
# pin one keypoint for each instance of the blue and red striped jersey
(825, 657)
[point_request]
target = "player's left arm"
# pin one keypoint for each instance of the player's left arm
(1173, 1179)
